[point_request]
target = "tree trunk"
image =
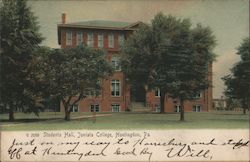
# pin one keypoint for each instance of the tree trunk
(182, 109)
(162, 101)
(67, 115)
(244, 106)
(11, 113)
(67, 111)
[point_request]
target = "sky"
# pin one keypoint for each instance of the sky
(228, 19)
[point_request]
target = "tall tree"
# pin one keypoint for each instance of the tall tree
(169, 55)
(72, 74)
(238, 82)
(19, 38)
(151, 51)
(194, 66)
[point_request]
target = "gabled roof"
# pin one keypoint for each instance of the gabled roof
(102, 24)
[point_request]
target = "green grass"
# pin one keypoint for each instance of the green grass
(54, 121)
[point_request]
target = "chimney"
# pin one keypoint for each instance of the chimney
(63, 18)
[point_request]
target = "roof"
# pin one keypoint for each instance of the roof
(102, 24)
(99, 24)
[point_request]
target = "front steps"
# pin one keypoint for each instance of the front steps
(140, 107)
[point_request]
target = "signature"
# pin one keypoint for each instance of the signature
(143, 147)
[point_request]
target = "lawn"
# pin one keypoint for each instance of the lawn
(54, 121)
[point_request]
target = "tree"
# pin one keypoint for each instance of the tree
(19, 38)
(169, 55)
(193, 66)
(233, 103)
(147, 57)
(238, 82)
(71, 74)
(136, 53)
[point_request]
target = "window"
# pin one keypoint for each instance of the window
(198, 95)
(157, 92)
(79, 38)
(94, 108)
(121, 39)
(115, 88)
(115, 108)
(93, 93)
(116, 63)
(157, 108)
(90, 41)
(74, 108)
(196, 108)
(100, 40)
(68, 38)
(111, 40)
(177, 108)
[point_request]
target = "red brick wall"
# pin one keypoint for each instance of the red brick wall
(105, 100)
(206, 100)
(170, 103)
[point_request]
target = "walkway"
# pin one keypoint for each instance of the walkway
(53, 120)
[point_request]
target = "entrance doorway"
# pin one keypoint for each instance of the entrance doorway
(138, 93)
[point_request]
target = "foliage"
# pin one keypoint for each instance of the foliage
(169, 55)
(238, 82)
(19, 38)
(233, 103)
(71, 74)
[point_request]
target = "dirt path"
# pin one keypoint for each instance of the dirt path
(90, 116)
(77, 117)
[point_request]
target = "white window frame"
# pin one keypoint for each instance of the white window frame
(198, 95)
(157, 108)
(116, 106)
(115, 88)
(157, 92)
(115, 61)
(177, 108)
(93, 107)
(100, 40)
(68, 38)
(197, 108)
(75, 108)
(121, 39)
(90, 39)
(79, 38)
(111, 42)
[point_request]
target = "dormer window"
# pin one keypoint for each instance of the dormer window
(111, 38)
(68, 38)
(90, 41)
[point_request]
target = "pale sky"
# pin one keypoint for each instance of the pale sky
(229, 20)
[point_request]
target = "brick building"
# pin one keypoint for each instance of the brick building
(116, 95)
